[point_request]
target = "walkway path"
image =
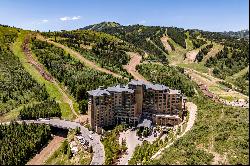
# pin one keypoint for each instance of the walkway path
(78, 56)
(192, 108)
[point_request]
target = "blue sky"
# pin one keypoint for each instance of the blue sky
(44, 15)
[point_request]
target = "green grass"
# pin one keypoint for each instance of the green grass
(189, 43)
(228, 98)
(195, 66)
(223, 127)
(50, 87)
(237, 75)
(212, 52)
(215, 89)
(13, 114)
(66, 114)
(241, 73)
(219, 91)
(176, 56)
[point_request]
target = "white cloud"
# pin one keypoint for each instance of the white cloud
(44, 21)
(142, 22)
(70, 18)
(65, 18)
(76, 17)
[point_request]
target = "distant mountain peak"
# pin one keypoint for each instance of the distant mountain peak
(238, 34)
(100, 26)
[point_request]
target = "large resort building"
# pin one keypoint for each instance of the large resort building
(131, 103)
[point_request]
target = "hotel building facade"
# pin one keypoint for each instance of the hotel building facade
(133, 102)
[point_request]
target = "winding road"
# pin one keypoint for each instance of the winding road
(192, 109)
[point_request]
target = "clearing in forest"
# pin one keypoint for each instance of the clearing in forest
(164, 40)
(131, 66)
(214, 50)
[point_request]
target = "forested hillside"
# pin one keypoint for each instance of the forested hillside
(178, 35)
(231, 60)
(106, 50)
(100, 26)
(203, 52)
(48, 108)
(172, 77)
(20, 142)
(17, 87)
(219, 130)
(146, 38)
(73, 74)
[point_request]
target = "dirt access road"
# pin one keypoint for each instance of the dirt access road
(46, 75)
(78, 56)
(131, 66)
(164, 40)
(192, 109)
(191, 55)
(32, 61)
(46, 152)
(210, 81)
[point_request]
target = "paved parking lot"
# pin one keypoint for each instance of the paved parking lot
(132, 141)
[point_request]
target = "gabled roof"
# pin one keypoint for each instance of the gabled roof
(137, 82)
(98, 92)
(157, 86)
(120, 88)
(148, 85)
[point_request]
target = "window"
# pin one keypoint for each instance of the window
(97, 101)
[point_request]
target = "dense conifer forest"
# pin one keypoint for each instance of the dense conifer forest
(20, 142)
(17, 87)
(169, 76)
